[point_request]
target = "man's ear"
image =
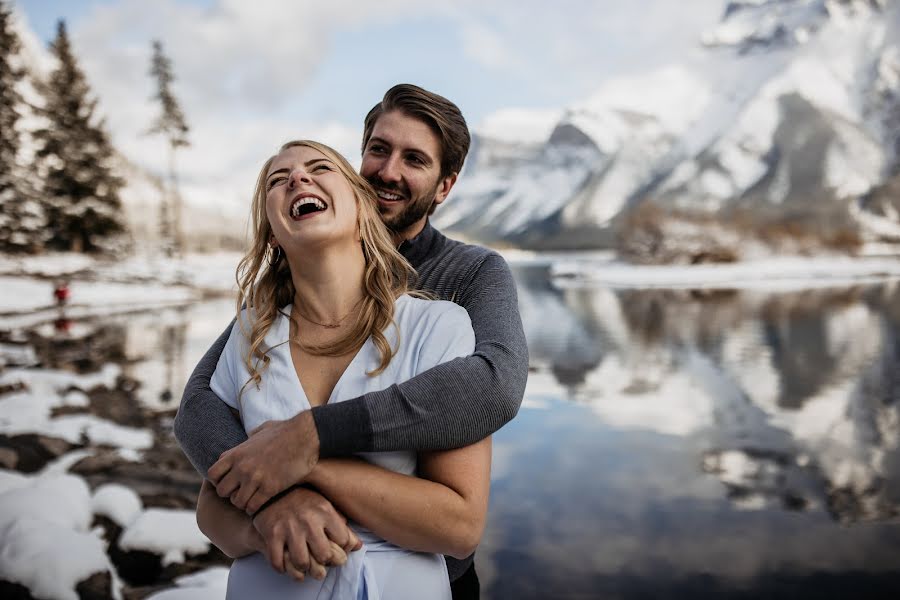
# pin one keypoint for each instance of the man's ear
(444, 188)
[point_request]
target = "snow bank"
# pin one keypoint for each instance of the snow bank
(29, 411)
(774, 274)
(45, 543)
(209, 583)
(22, 294)
(119, 503)
(48, 559)
(171, 533)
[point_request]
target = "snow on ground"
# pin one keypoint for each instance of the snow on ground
(50, 570)
(46, 544)
(29, 410)
(119, 503)
(140, 280)
(783, 273)
(46, 540)
(48, 265)
(24, 295)
(202, 585)
(171, 533)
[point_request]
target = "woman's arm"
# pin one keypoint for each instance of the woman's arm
(442, 511)
(230, 529)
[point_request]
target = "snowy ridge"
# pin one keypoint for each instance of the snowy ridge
(794, 105)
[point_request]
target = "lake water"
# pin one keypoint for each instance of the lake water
(671, 444)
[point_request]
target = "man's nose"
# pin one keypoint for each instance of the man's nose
(390, 169)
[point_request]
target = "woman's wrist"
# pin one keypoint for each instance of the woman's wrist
(254, 539)
(318, 476)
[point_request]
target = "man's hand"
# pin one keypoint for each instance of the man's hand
(303, 533)
(278, 455)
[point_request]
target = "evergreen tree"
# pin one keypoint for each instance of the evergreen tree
(172, 125)
(75, 155)
(21, 215)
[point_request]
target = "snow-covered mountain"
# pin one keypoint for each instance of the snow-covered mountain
(793, 107)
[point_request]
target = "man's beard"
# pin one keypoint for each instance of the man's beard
(414, 211)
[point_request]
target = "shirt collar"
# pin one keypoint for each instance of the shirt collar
(416, 249)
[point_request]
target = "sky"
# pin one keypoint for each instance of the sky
(251, 75)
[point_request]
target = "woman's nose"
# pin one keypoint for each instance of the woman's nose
(297, 177)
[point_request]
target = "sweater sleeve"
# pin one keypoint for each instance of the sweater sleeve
(204, 425)
(453, 404)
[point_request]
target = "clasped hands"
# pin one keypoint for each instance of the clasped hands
(300, 532)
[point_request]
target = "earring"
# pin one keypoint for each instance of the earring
(275, 256)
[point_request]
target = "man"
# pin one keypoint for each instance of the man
(414, 145)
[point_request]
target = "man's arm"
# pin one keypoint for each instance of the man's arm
(204, 425)
(453, 404)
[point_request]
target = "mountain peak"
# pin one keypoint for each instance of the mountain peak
(762, 25)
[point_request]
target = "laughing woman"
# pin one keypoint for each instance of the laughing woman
(328, 318)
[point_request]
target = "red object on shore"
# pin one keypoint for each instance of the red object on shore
(61, 292)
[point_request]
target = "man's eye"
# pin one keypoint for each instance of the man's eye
(376, 149)
(416, 159)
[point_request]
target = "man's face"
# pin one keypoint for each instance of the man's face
(402, 161)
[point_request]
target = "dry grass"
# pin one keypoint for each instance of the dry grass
(661, 235)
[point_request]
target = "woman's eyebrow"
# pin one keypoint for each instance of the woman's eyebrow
(276, 171)
(306, 164)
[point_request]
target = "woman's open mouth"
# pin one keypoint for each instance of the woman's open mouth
(306, 206)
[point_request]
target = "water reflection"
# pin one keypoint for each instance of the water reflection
(157, 350)
(713, 445)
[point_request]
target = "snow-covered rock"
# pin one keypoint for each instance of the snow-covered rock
(170, 533)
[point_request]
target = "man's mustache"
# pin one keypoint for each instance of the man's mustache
(380, 184)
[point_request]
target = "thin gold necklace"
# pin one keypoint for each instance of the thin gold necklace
(334, 324)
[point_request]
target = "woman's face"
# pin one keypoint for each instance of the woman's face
(308, 200)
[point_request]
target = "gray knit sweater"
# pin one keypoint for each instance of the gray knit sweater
(451, 405)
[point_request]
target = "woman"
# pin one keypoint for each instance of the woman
(328, 318)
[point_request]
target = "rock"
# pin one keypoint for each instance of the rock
(161, 479)
(137, 567)
(96, 587)
(34, 451)
(8, 458)
(14, 591)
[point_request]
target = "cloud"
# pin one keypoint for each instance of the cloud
(245, 71)
(241, 70)
(487, 47)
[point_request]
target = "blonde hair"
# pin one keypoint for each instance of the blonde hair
(264, 288)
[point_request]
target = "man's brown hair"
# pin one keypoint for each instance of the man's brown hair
(441, 115)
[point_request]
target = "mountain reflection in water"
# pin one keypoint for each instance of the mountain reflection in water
(704, 444)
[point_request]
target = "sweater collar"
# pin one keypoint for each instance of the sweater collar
(416, 249)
